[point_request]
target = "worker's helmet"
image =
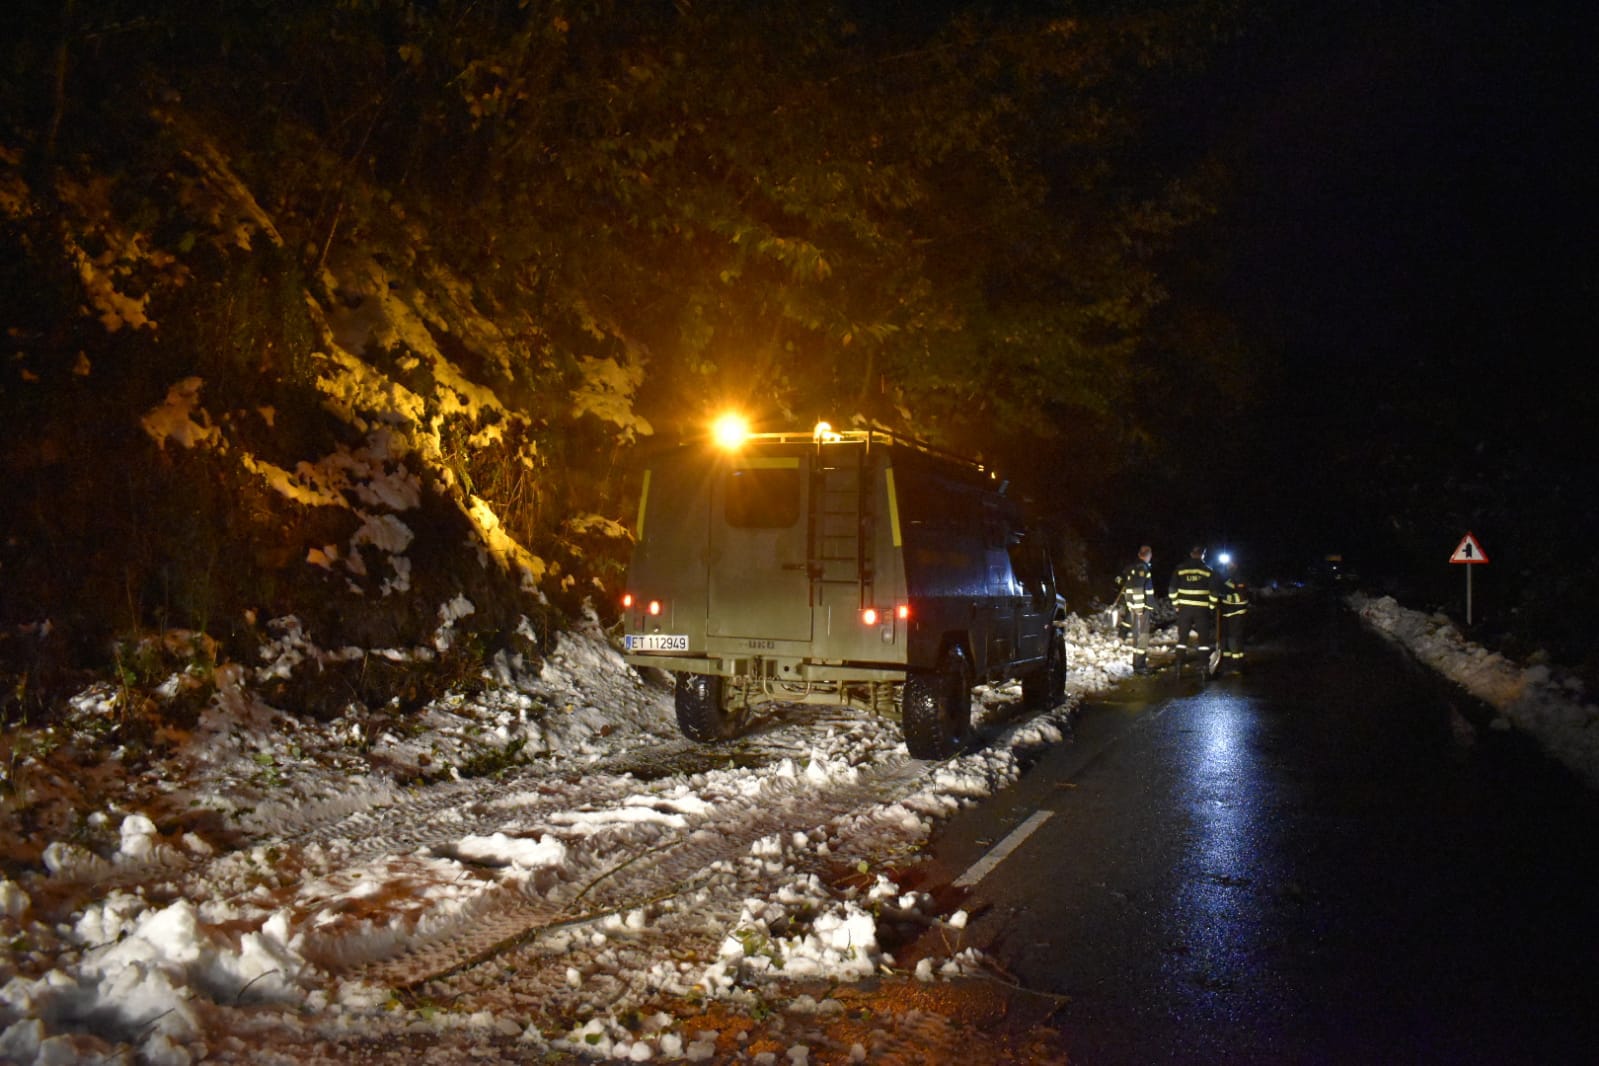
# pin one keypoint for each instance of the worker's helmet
(1197, 551)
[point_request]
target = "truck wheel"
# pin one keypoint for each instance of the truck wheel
(1059, 663)
(700, 713)
(1046, 688)
(936, 711)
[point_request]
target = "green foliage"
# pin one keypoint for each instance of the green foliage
(268, 772)
(735, 196)
(490, 761)
(611, 217)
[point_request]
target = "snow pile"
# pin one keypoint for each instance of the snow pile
(173, 419)
(1550, 705)
(836, 939)
(1096, 661)
(138, 976)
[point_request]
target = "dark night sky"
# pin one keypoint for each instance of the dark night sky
(1417, 168)
(1414, 233)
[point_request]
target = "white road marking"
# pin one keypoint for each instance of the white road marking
(980, 869)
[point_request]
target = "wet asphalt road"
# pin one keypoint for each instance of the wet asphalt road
(1329, 860)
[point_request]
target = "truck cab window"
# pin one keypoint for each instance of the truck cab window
(763, 498)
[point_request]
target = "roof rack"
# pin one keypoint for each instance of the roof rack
(824, 434)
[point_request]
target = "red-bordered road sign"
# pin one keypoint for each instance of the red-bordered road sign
(1469, 551)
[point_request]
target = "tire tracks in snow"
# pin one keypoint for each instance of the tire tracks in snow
(643, 874)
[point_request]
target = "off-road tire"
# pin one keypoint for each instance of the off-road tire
(936, 711)
(701, 713)
(1058, 665)
(1045, 688)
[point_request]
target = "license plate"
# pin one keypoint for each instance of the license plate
(656, 642)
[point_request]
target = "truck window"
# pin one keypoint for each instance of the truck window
(1031, 566)
(763, 498)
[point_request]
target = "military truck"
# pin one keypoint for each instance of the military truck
(857, 568)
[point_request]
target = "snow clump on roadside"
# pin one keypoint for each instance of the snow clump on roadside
(1550, 705)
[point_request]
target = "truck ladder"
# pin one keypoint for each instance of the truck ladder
(841, 523)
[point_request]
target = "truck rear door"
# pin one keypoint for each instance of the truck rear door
(759, 582)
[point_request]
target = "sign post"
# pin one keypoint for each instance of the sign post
(1469, 553)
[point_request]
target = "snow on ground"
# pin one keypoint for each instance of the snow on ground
(1548, 704)
(271, 881)
(532, 870)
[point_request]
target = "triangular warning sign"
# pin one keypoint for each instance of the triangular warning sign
(1469, 551)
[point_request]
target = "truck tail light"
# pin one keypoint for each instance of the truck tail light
(632, 602)
(871, 616)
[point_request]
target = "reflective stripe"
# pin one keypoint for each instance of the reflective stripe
(643, 502)
(1192, 587)
(893, 507)
(768, 462)
(1136, 587)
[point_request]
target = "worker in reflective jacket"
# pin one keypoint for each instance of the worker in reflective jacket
(1193, 593)
(1234, 605)
(1137, 585)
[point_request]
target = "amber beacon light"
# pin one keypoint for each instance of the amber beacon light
(730, 431)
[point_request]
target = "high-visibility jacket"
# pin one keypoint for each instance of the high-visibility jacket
(1193, 584)
(1137, 585)
(1234, 600)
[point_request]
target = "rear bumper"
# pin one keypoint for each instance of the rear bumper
(774, 668)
